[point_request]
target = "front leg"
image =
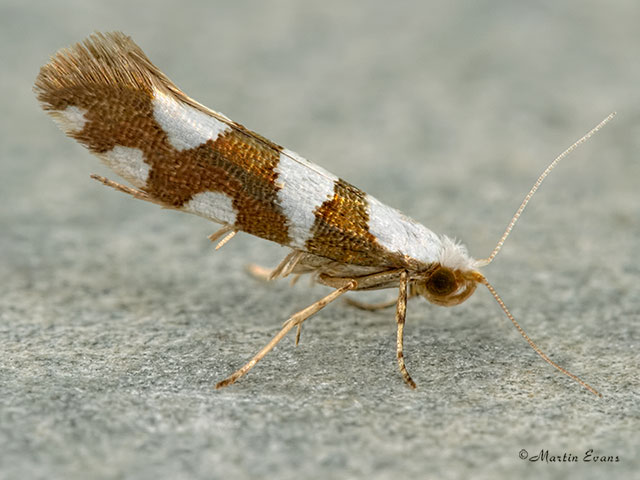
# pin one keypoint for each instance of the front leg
(401, 311)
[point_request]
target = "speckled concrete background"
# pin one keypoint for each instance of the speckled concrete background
(117, 318)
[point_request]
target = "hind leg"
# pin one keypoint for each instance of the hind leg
(295, 321)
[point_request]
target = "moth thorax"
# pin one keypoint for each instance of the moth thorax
(447, 287)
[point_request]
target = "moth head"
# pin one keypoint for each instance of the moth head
(447, 287)
(451, 280)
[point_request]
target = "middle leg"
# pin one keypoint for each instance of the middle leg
(374, 307)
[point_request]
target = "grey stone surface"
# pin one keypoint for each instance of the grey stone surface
(117, 318)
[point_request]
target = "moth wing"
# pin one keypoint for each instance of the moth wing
(106, 94)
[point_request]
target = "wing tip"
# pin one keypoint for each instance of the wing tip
(110, 59)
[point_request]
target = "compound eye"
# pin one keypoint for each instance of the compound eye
(442, 282)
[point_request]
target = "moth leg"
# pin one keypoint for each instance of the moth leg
(259, 272)
(294, 321)
(227, 232)
(401, 311)
(284, 268)
(372, 307)
(295, 279)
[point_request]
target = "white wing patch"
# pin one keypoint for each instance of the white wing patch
(291, 155)
(185, 126)
(304, 187)
(400, 234)
(128, 163)
(71, 119)
(215, 206)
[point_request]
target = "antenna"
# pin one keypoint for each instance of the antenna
(483, 280)
(552, 165)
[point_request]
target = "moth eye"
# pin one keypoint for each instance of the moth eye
(442, 282)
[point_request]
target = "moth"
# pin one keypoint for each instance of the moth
(106, 94)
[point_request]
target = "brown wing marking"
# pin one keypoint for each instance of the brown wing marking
(341, 230)
(110, 78)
